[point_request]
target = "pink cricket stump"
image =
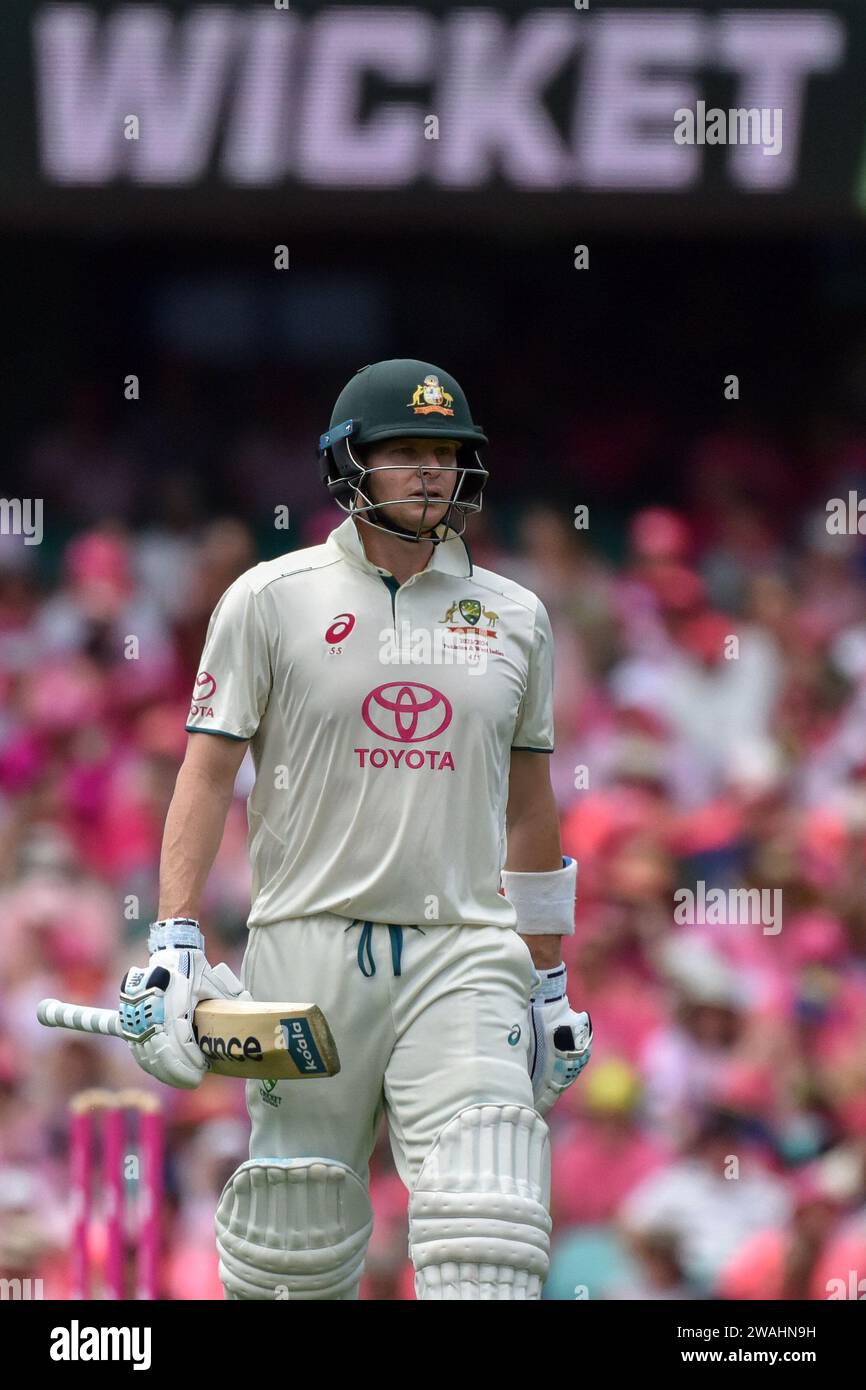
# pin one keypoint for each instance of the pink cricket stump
(80, 1159)
(150, 1198)
(113, 1107)
(114, 1131)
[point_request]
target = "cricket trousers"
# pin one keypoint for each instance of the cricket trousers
(427, 1020)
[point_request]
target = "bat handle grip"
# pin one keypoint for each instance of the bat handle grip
(53, 1013)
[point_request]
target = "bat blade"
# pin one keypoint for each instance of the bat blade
(266, 1041)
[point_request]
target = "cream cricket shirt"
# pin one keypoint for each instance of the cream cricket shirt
(380, 788)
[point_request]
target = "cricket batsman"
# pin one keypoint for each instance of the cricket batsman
(388, 774)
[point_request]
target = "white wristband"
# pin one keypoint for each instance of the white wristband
(544, 902)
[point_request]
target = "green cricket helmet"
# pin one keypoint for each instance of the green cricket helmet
(387, 400)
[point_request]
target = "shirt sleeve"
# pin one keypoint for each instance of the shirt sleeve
(233, 684)
(534, 727)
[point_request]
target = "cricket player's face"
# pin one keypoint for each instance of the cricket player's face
(421, 470)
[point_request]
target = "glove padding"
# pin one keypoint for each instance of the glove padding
(157, 1007)
(561, 1041)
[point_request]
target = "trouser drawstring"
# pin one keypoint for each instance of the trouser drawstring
(365, 946)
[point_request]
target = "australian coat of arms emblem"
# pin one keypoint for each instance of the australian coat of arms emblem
(430, 397)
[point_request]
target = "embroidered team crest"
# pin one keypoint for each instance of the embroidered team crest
(470, 610)
(266, 1091)
(429, 398)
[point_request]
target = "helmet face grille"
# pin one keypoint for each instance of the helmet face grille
(346, 477)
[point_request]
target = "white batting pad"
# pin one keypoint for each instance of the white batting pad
(479, 1226)
(293, 1228)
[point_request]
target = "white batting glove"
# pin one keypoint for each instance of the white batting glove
(158, 1003)
(561, 1042)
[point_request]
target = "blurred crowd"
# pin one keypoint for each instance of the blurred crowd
(711, 728)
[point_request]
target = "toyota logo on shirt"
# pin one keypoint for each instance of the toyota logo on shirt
(406, 712)
(205, 685)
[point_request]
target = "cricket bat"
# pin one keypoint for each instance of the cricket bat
(239, 1037)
